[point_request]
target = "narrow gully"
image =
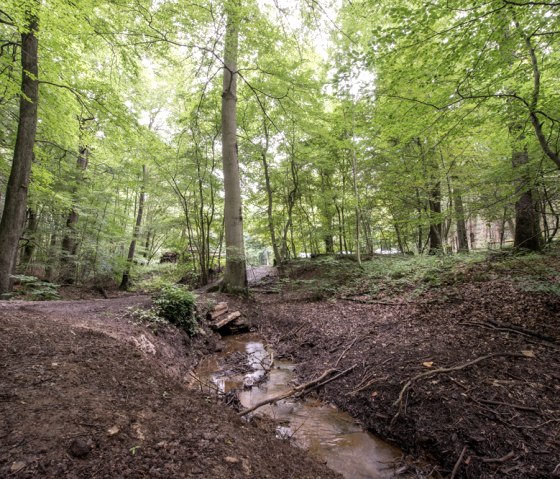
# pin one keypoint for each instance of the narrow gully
(326, 432)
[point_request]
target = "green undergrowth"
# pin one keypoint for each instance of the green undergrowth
(173, 304)
(152, 278)
(34, 289)
(330, 277)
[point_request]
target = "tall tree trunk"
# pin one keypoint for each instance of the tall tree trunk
(30, 246)
(462, 240)
(277, 257)
(70, 239)
(356, 195)
(435, 233)
(235, 275)
(15, 205)
(527, 230)
(147, 245)
(135, 234)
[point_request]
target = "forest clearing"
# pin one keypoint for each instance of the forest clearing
(279, 238)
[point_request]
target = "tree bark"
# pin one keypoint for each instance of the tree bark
(435, 233)
(70, 240)
(135, 234)
(15, 206)
(462, 240)
(235, 275)
(30, 246)
(356, 194)
(527, 230)
(264, 152)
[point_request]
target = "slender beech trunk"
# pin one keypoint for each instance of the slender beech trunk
(264, 152)
(147, 244)
(135, 234)
(203, 245)
(435, 233)
(326, 211)
(70, 240)
(356, 196)
(235, 275)
(462, 240)
(30, 246)
(15, 206)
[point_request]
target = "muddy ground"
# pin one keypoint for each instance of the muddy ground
(86, 393)
(464, 370)
(467, 373)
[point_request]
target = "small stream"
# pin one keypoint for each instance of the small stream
(328, 433)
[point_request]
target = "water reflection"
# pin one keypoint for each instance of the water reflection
(328, 433)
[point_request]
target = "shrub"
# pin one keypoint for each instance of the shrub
(35, 289)
(177, 305)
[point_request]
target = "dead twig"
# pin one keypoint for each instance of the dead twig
(514, 406)
(345, 351)
(499, 460)
(361, 387)
(292, 332)
(433, 372)
(458, 463)
(300, 390)
(203, 384)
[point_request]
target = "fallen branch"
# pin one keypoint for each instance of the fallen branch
(390, 303)
(495, 326)
(300, 390)
(519, 329)
(369, 301)
(458, 463)
(433, 372)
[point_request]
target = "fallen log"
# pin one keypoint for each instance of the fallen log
(219, 310)
(300, 390)
(228, 319)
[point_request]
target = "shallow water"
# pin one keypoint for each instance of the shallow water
(328, 433)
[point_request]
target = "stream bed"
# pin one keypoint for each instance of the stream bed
(328, 433)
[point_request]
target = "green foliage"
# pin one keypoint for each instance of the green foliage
(154, 277)
(35, 289)
(177, 305)
(538, 285)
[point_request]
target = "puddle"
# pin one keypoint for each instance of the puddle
(328, 433)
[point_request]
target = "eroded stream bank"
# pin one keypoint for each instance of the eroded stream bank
(247, 366)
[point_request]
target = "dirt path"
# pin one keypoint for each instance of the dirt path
(85, 393)
(433, 373)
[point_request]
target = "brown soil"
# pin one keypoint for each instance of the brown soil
(79, 397)
(503, 410)
(82, 394)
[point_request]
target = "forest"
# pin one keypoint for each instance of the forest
(358, 183)
(360, 127)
